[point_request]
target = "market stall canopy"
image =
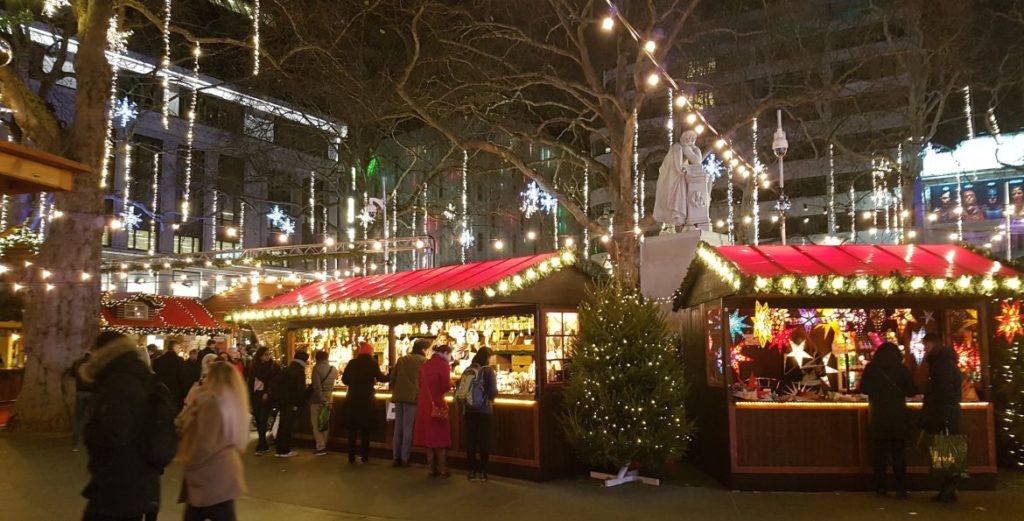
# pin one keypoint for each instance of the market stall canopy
(856, 269)
(27, 170)
(155, 314)
(419, 290)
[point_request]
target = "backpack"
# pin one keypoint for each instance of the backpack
(464, 392)
(159, 437)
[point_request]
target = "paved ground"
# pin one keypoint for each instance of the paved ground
(40, 479)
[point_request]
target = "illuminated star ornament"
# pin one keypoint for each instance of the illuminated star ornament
(125, 111)
(736, 357)
(798, 352)
(782, 337)
(535, 200)
(762, 323)
(929, 316)
(902, 316)
(737, 324)
(808, 318)
(1009, 321)
(967, 358)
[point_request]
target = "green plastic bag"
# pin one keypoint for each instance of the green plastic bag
(948, 454)
(323, 422)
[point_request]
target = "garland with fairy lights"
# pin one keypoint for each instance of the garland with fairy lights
(255, 261)
(21, 237)
(426, 302)
(156, 302)
(857, 285)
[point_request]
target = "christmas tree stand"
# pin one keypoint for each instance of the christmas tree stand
(627, 474)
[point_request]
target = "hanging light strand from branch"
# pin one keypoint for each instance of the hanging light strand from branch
(165, 66)
(831, 190)
(190, 134)
(154, 201)
(256, 38)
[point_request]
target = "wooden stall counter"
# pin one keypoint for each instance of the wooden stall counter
(515, 434)
(792, 446)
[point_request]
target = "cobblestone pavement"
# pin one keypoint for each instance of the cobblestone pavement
(40, 479)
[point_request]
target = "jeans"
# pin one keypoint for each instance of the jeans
(286, 423)
(405, 418)
(478, 440)
(92, 516)
(319, 438)
(881, 451)
(220, 512)
(365, 449)
(82, 401)
(261, 412)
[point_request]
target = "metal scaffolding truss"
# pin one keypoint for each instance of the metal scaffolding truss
(247, 256)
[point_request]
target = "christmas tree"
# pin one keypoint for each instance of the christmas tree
(1010, 402)
(625, 396)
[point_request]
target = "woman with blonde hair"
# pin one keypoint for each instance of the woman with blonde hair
(212, 441)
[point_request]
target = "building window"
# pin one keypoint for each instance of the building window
(259, 126)
(187, 244)
(139, 239)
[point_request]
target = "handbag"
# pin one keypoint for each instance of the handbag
(948, 454)
(438, 412)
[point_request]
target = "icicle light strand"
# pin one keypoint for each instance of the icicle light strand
(637, 203)
(757, 184)
(463, 217)
(968, 112)
(165, 66)
(108, 143)
(4, 203)
(853, 214)
(154, 203)
(312, 203)
(586, 209)
(831, 190)
(125, 206)
(190, 134)
(256, 38)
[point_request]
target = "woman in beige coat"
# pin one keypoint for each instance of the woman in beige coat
(213, 438)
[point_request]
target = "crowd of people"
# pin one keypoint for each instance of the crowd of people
(137, 409)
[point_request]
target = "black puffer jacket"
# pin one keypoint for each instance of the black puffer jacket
(941, 409)
(121, 483)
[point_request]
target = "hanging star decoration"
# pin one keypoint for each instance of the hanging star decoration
(902, 316)
(125, 111)
(714, 167)
(1009, 321)
(535, 200)
(782, 337)
(917, 344)
(737, 324)
(928, 316)
(829, 322)
(877, 317)
(798, 352)
(762, 323)
(808, 318)
(969, 319)
(967, 358)
(736, 357)
(130, 219)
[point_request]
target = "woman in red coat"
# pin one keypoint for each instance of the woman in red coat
(434, 433)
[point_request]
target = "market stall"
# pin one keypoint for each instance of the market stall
(524, 308)
(776, 337)
(156, 319)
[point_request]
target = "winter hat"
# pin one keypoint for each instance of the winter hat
(365, 349)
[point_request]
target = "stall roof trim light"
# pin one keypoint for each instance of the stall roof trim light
(939, 269)
(174, 315)
(446, 287)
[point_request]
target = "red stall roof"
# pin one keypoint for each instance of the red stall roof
(925, 260)
(471, 276)
(165, 315)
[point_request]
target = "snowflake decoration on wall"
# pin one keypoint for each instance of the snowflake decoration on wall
(131, 220)
(125, 111)
(535, 200)
(281, 220)
(737, 324)
(449, 212)
(713, 167)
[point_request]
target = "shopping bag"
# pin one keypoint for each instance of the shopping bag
(391, 411)
(277, 423)
(323, 421)
(948, 454)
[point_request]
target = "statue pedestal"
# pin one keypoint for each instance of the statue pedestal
(664, 260)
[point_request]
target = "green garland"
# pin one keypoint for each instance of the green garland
(21, 236)
(247, 262)
(165, 330)
(858, 285)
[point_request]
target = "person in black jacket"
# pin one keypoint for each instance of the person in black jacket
(887, 383)
(262, 374)
(290, 393)
(941, 410)
(83, 399)
(122, 485)
(359, 376)
(171, 371)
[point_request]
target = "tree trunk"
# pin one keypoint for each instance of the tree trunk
(60, 323)
(625, 251)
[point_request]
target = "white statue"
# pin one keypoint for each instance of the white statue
(681, 197)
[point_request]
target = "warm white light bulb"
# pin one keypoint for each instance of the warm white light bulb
(653, 79)
(650, 46)
(608, 23)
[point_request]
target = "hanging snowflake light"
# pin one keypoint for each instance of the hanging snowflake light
(449, 212)
(714, 167)
(287, 227)
(466, 238)
(280, 220)
(130, 219)
(125, 111)
(536, 200)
